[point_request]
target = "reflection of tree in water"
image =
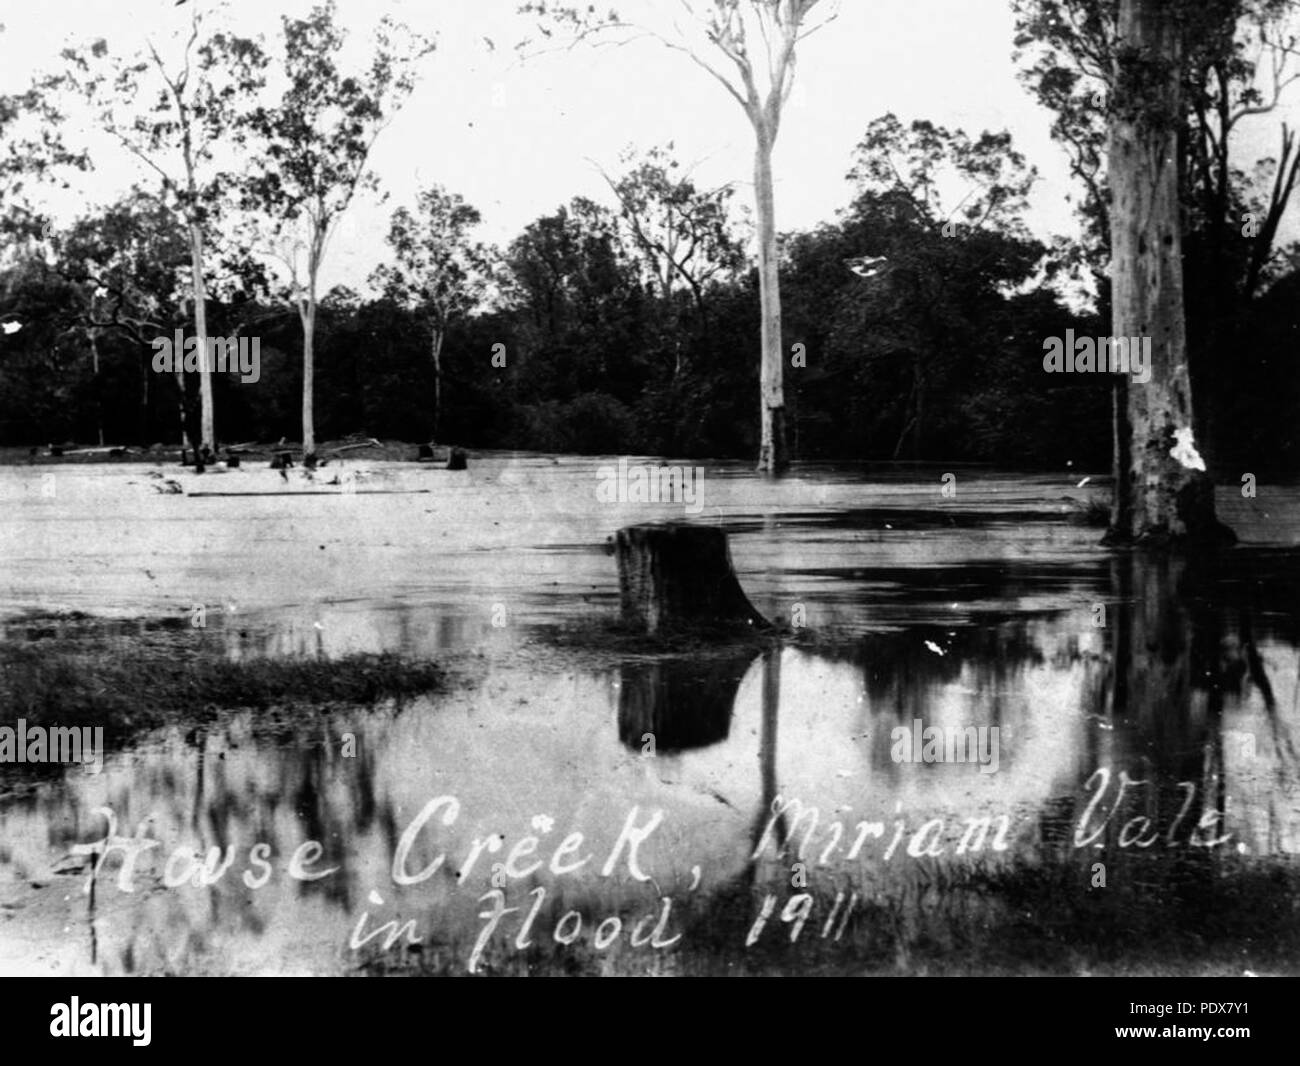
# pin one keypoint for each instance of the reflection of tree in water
(1182, 639)
(903, 673)
(1161, 691)
(767, 756)
(682, 705)
(295, 789)
(1181, 650)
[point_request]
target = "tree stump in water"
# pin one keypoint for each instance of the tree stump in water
(675, 576)
(456, 460)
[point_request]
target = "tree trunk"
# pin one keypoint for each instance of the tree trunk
(674, 576)
(207, 426)
(1168, 494)
(145, 370)
(1120, 503)
(308, 316)
(438, 335)
(99, 387)
(772, 456)
(180, 387)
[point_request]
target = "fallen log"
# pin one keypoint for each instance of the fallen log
(680, 576)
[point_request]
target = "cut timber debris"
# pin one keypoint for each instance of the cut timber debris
(680, 576)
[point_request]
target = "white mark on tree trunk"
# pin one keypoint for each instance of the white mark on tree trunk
(1184, 450)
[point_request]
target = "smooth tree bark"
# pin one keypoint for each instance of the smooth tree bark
(177, 120)
(315, 148)
(306, 301)
(782, 24)
(758, 40)
(194, 215)
(199, 281)
(307, 315)
(179, 127)
(772, 455)
(1163, 493)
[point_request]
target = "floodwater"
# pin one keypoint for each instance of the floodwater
(1126, 726)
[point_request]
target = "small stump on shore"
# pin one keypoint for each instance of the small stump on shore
(680, 576)
(457, 460)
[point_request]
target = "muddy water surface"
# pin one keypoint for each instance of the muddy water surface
(1126, 726)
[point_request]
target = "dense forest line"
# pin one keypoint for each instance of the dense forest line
(913, 328)
(941, 362)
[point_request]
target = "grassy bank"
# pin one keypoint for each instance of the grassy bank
(73, 670)
(1028, 918)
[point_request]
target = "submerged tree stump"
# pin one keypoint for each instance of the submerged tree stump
(456, 460)
(676, 576)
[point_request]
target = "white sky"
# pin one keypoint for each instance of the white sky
(516, 138)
